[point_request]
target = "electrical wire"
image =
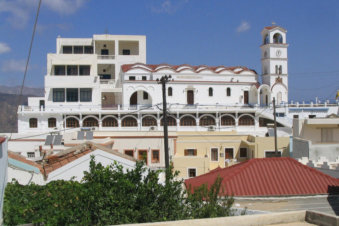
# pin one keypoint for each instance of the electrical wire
(28, 58)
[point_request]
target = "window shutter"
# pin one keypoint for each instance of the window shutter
(186, 152)
(195, 152)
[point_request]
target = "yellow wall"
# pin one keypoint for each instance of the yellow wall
(204, 141)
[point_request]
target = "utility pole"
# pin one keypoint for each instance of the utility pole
(275, 130)
(163, 81)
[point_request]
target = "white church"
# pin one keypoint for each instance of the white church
(104, 83)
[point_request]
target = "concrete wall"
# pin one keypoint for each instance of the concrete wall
(330, 151)
(300, 148)
(264, 144)
(3, 174)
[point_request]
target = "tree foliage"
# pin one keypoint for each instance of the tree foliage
(112, 195)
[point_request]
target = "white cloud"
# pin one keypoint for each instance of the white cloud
(168, 7)
(13, 66)
(19, 11)
(4, 48)
(244, 26)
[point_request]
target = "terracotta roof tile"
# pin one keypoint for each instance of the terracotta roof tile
(2, 139)
(179, 68)
(268, 177)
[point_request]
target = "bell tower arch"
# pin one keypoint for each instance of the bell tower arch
(274, 61)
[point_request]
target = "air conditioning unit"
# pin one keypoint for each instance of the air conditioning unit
(211, 128)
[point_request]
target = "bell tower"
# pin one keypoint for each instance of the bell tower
(274, 62)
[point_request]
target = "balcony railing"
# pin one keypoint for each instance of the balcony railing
(106, 57)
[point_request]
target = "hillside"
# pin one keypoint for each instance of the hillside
(39, 92)
(8, 112)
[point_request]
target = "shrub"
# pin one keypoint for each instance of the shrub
(112, 195)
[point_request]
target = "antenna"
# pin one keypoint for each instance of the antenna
(106, 31)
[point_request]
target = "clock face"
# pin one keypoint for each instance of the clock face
(278, 53)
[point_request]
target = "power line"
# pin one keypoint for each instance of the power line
(28, 57)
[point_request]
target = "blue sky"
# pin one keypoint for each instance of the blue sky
(211, 32)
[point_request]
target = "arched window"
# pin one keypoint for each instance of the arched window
(109, 122)
(207, 121)
(51, 122)
(277, 38)
(129, 122)
(280, 70)
(149, 121)
(170, 121)
(169, 91)
(72, 123)
(90, 122)
(210, 91)
(187, 121)
(266, 39)
(228, 91)
(33, 123)
(276, 69)
(227, 121)
(246, 120)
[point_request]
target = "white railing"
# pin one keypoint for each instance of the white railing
(106, 57)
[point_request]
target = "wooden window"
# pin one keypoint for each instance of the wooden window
(229, 154)
(171, 121)
(327, 135)
(214, 154)
(228, 92)
(51, 122)
(33, 123)
(72, 123)
(243, 152)
(187, 121)
(129, 122)
(227, 121)
(149, 121)
(246, 120)
(207, 121)
(210, 92)
(192, 172)
(110, 122)
(142, 155)
(89, 122)
(129, 153)
(169, 91)
(155, 156)
(190, 152)
(145, 95)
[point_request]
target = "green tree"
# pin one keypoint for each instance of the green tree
(112, 195)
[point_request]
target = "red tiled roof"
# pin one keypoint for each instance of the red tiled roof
(2, 139)
(274, 26)
(179, 68)
(268, 177)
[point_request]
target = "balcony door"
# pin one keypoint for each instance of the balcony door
(245, 97)
(190, 97)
